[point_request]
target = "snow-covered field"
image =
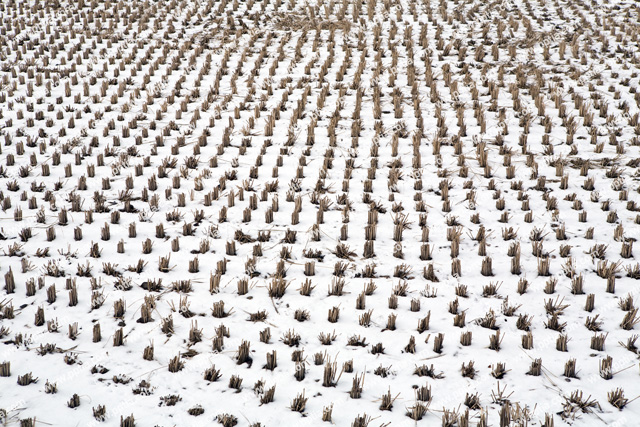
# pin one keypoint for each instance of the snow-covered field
(296, 213)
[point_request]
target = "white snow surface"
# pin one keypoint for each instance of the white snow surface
(101, 99)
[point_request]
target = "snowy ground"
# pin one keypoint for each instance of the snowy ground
(286, 213)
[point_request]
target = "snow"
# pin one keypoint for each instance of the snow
(105, 99)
